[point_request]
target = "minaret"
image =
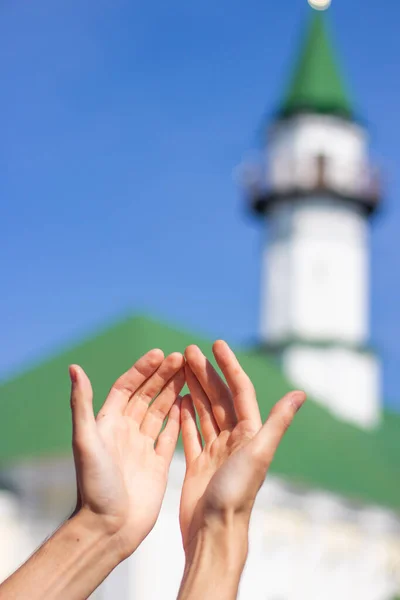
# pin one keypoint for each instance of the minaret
(316, 201)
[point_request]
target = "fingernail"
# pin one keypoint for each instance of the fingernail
(72, 374)
(297, 399)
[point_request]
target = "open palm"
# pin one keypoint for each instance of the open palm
(122, 456)
(224, 474)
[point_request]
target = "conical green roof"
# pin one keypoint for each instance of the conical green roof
(317, 85)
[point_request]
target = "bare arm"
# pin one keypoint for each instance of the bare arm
(122, 459)
(215, 561)
(225, 468)
(71, 564)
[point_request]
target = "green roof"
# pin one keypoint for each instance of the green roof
(318, 451)
(316, 85)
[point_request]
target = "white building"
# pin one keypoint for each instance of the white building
(317, 200)
(326, 523)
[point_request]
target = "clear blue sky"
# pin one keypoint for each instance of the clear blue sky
(121, 125)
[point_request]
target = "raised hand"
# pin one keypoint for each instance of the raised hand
(122, 456)
(225, 471)
(122, 459)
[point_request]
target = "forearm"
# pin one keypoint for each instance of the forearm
(71, 564)
(214, 562)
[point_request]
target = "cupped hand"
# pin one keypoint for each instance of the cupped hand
(122, 456)
(228, 456)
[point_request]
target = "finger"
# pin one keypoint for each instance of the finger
(215, 388)
(126, 385)
(78, 497)
(281, 416)
(168, 439)
(156, 414)
(191, 438)
(139, 402)
(208, 424)
(242, 389)
(83, 420)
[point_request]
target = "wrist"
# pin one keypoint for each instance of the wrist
(226, 540)
(226, 533)
(98, 531)
(71, 563)
(215, 559)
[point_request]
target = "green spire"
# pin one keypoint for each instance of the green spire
(317, 85)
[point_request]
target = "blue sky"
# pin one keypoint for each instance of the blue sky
(122, 124)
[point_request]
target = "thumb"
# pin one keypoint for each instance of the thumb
(81, 402)
(280, 418)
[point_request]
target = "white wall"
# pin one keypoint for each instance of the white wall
(15, 542)
(315, 281)
(347, 382)
(304, 544)
(294, 145)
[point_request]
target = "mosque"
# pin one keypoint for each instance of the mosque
(327, 520)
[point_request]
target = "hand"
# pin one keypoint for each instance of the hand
(224, 475)
(122, 457)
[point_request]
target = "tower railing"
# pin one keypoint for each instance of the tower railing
(313, 176)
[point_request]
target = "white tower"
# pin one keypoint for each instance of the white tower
(316, 203)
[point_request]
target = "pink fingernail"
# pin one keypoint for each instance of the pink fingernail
(297, 399)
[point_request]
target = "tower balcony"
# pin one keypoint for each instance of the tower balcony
(311, 178)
